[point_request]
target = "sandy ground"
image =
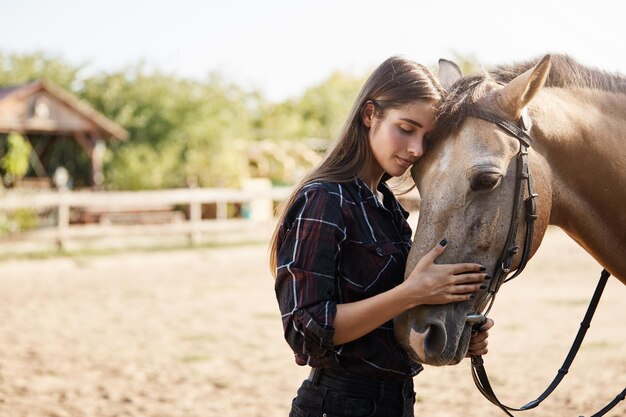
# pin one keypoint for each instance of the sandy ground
(197, 333)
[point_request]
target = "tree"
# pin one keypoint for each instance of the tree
(18, 69)
(320, 112)
(183, 128)
(15, 162)
(189, 131)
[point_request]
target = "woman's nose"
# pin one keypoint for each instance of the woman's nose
(416, 147)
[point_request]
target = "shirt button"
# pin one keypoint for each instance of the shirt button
(299, 312)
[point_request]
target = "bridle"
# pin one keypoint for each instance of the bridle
(524, 181)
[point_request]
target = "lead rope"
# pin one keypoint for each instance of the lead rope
(479, 374)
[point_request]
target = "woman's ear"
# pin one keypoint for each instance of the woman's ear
(367, 114)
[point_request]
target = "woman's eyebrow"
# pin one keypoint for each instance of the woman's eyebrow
(411, 121)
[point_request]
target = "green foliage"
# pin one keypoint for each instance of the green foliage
(184, 131)
(326, 106)
(179, 128)
(157, 108)
(18, 221)
(16, 161)
(141, 167)
(320, 112)
(18, 69)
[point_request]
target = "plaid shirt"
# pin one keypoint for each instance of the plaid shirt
(339, 244)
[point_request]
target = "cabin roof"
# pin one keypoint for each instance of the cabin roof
(14, 97)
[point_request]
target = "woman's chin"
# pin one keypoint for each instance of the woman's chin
(397, 171)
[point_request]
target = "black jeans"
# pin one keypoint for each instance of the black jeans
(330, 393)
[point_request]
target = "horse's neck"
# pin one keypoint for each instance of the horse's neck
(582, 136)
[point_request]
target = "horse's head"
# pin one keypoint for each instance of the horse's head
(467, 182)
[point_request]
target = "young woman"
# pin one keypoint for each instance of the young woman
(340, 249)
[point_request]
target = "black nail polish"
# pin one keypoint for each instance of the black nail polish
(483, 286)
(482, 268)
(487, 276)
(443, 242)
(472, 296)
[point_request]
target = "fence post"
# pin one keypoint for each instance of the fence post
(63, 219)
(195, 217)
(221, 210)
(261, 207)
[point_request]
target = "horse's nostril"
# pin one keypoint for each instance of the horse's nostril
(435, 341)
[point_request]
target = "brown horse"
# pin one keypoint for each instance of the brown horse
(467, 180)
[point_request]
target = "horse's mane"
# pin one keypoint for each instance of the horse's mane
(565, 72)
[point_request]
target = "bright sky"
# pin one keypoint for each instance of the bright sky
(285, 46)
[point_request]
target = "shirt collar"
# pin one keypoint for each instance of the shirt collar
(370, 198)
(366, 194)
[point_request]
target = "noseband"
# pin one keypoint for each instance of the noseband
(524, 181)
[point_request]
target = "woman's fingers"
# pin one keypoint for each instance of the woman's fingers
(479, 351)
(478, 343)
(488, 325)
(470, 278)
(466, 268)
(466, 289)
(479, 340)
(434, 253)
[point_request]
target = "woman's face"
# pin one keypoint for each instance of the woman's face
(397, 139)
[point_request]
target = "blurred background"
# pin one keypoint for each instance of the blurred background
(159, 95)
(143, 148)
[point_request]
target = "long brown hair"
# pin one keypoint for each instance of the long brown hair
(394, 83)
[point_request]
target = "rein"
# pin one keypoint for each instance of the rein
(503, 268)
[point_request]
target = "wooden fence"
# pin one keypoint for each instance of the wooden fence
(81, 215)
(90, 219)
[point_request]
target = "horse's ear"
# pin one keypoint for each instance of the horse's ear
(521, 90)
(449, 73)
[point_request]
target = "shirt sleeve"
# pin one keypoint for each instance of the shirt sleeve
(307, 252)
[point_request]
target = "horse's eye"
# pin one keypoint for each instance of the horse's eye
(485, 181)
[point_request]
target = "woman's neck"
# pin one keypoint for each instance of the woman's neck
(371, 176)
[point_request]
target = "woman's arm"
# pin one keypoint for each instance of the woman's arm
(429, 283)
(356, 319)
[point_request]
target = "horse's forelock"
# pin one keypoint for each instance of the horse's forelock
(456, 104)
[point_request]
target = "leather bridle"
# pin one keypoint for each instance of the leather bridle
(524, 182)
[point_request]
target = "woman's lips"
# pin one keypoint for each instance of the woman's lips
(406, 163)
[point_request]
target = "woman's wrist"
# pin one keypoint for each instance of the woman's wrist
(406, 298)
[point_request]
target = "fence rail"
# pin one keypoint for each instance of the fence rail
(141, 203)
(140, 218)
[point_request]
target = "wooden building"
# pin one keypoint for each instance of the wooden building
(62, 130)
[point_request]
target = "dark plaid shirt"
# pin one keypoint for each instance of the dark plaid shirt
(339, 244)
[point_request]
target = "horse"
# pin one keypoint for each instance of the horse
(572, 120)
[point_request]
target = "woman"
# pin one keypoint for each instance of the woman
(340, 249)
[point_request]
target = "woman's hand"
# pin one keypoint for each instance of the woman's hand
(431, 283)
(478, 341)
